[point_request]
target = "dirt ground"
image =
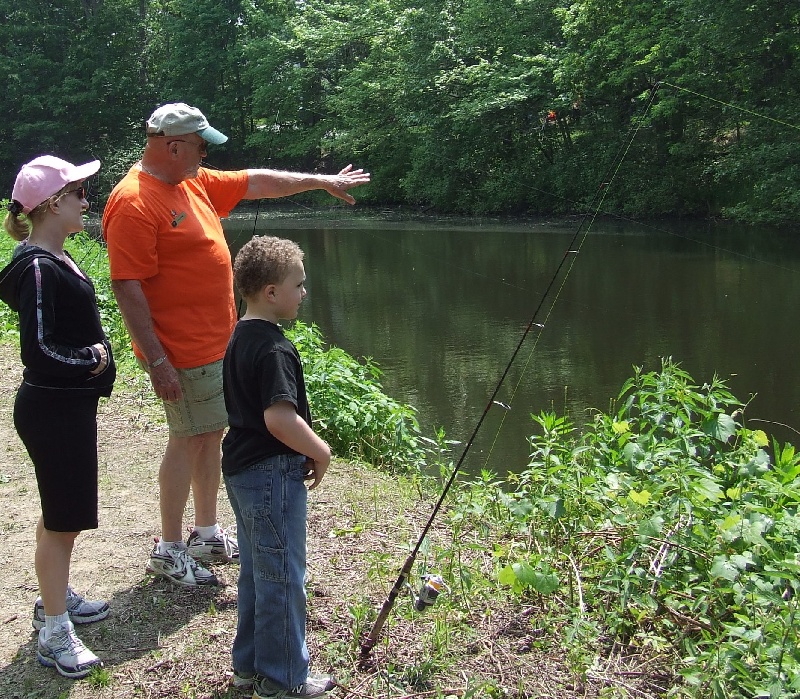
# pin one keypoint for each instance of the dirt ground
(165, 641)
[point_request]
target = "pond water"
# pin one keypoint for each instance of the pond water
(441, 306)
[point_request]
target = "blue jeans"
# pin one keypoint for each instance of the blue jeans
(269, 500)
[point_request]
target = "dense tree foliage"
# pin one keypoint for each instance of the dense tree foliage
(472, 106)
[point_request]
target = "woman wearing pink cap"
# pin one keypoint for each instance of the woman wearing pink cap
(68, 365)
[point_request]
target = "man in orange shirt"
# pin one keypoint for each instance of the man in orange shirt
(172, 277)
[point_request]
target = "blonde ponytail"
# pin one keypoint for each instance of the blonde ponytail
(17, 225)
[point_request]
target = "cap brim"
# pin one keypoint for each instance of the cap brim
(213, 136)
(81, 172)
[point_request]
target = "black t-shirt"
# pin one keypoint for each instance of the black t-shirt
(261, 367)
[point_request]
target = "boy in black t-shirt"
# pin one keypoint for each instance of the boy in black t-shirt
(267, 455)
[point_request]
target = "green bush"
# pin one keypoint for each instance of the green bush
(352, 412)
(666, 525)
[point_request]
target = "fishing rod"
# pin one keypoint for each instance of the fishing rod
(368, 643)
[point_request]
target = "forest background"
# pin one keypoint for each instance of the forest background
(461, 106)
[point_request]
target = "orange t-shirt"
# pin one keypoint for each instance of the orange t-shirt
(170, 238)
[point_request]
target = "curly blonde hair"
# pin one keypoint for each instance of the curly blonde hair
(264, 260)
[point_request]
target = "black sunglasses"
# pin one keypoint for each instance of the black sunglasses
(80, 191)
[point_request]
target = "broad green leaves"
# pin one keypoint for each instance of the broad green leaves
(523, 576)
(669, 520)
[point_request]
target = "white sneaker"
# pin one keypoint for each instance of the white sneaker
(66, 653)
(179, 567)
(221, 548)
(81, 610)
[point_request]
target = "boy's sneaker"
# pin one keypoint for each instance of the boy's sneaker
(66, 653)
(179, 567)
(314, 686)
(221, 548)
(81, 610)
(243, 681)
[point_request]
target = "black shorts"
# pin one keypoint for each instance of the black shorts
(60, 433)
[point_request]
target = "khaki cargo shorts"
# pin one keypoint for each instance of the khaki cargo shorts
(202, 407)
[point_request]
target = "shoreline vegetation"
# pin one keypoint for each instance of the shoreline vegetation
(651, 552)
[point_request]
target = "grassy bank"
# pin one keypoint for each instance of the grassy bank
(652, 551)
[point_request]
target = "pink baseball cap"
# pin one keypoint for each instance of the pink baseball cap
(42, 177)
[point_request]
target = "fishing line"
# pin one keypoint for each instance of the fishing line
(633, 134)
(729, 104)
(601, 194)
(569, 255)
(619, 217)
(598, 208)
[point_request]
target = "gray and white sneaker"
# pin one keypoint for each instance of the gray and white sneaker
(221, 548)
(179, 567)
(243, 681)
(66, 653)
(80, 609)
(314, 686)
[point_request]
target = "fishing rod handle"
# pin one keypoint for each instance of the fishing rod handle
(372, 638)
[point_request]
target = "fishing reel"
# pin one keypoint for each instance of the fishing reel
(431, 587)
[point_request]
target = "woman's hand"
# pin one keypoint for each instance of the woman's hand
(101, 367)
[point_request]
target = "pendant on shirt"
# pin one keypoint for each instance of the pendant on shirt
(177, 217)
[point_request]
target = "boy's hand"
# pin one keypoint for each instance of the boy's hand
(286, 425)
(315, 470)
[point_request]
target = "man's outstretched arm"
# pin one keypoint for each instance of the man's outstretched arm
(272, 184)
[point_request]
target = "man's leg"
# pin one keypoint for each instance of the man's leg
(192, 461)
(189, 461)
(206, 473)
(170, 558)
(208, 542)
(174, 480)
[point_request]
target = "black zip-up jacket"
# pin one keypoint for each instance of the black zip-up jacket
(58, 323)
